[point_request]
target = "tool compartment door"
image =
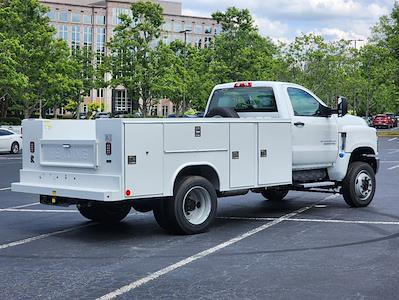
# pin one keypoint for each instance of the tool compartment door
(242, 155)
(144, 159)
(274, 154)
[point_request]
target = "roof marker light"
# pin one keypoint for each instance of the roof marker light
(243, 84)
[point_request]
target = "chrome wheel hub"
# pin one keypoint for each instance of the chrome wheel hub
(197, 205)
(363, 185)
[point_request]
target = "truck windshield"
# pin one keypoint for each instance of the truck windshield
(256, 99)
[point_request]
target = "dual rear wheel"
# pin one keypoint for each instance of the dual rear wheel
(191, 210)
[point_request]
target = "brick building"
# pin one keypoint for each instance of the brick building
(91, 23)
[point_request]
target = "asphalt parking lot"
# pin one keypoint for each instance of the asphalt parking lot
(309, 246)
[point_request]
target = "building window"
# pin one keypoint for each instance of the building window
(50, 112)
(167, 26)
(188, 27)
(121, 102)
(165, 110)
(117, 12)
(174, 109)
(87, 19)
(88, 37)
(52, 15)
(100, 93)
(177, 27)
(198, 29)
(100, 44)
(64, 16)
(85, 108)
(154, 110)
(100, 20)
(198, 42)
(207, 42)
(76, 18)
(75, 37)
(63, 32)
(218, 29)
(61, 111)
(208, 29)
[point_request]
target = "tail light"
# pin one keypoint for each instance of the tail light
(128, 192)
(108, 148)
(243, 84)
(32, 147)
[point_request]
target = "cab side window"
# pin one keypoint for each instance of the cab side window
(303, 103)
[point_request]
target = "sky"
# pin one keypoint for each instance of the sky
(285, 19)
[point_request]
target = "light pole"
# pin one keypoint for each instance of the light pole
(185, 65)
(356, 40)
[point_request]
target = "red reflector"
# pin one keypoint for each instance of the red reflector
(108, 148)
(243, 84)
(32, 147)
(128, 192)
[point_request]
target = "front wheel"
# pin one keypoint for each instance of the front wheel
(275, 194)
(105, 213)
(192, 208)
(359, 185)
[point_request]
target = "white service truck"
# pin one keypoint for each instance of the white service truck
(264, 137)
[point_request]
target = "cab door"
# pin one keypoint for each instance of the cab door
(315, 137)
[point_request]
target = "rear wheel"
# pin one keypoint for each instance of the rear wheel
(105, 213)
(192, 208)
(359, 185)
(14, 148)
(275, 194)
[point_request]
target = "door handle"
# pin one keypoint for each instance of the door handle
(299, 124)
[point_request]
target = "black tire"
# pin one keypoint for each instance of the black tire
(192, 208)
(105, 213)
(222, 112)
(14, 148)
(275, 194)
(159, 212)
(359, 185)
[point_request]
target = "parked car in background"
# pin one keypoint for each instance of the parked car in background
(102, 115)
(383, 121)
(394, 119)
(83, 116)
(10, 141)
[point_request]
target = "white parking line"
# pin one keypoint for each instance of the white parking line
(10, 158)
(40, 237)
(20, 206)
(5, 189)
(394, 167)
(391, 140)
(313, 220)
(393, 152)
(182, 263)
(39, 210)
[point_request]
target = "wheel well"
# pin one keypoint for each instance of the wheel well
(205, 171)
(360, 154)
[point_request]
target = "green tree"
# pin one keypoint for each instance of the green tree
(42, 64)
(132, 58)
(381, 64)
(240, 52)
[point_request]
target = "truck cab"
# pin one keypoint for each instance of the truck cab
(323, 138)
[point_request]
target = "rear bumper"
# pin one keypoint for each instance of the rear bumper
(67, 192)
(70, 185)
